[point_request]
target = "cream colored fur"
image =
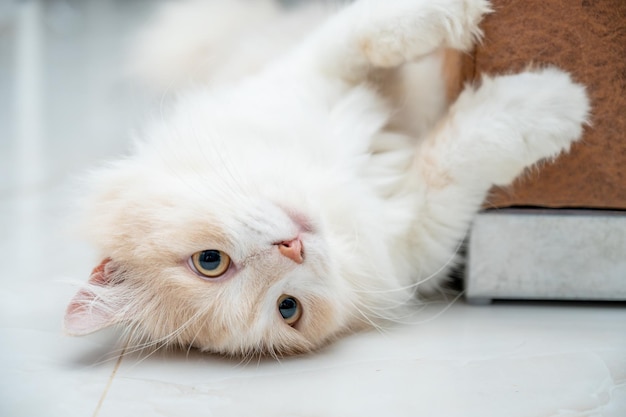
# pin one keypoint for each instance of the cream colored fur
(342, 137)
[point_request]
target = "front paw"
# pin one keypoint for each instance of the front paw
(550, 109)
(403, 31)
(511, 122)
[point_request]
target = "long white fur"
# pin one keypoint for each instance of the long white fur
(309, 132)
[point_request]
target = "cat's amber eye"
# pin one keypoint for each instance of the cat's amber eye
(210, 263)
(290, 309)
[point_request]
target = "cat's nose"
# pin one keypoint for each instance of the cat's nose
(292, 249)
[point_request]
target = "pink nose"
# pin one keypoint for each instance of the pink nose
(292, 249)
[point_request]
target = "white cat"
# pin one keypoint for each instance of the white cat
(311, 191)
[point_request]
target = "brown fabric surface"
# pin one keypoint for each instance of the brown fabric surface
(588, 39)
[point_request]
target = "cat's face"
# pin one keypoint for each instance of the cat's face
(192, 270)
(211, 238)
(230, 268)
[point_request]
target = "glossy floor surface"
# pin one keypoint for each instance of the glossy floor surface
(64, 108)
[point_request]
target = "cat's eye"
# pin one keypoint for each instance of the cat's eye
(290, 309)
(210, 263)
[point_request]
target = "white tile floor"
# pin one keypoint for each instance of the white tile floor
(62, 108)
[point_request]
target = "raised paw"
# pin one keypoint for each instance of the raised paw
(392, 33)
(550, 110)
(511, 122)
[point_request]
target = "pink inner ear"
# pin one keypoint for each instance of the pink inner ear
(98, 275)
(87, 312)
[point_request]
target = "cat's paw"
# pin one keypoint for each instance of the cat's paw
(406, 30)
(518, 120)
(561, 108)
(550, 110)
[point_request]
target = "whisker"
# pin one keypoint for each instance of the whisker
(414, 285)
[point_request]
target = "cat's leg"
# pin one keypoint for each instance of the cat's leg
(384, 34)
(490, 135)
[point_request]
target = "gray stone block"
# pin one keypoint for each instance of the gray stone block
(547, 255)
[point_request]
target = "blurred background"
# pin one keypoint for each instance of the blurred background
(65, 106)
(63, 92)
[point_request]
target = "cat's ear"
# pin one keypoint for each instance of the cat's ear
(96, 305)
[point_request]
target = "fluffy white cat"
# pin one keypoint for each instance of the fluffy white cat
(315, 180)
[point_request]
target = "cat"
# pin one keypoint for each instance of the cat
(314, 191)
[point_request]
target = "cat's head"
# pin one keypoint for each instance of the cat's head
(229, 249)
(191, 268)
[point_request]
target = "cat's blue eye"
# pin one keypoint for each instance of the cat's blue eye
(290, 309)
(210, 263)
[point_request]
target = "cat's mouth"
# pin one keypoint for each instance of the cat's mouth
(299, 219)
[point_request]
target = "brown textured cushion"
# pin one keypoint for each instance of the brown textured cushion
(588, 39)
